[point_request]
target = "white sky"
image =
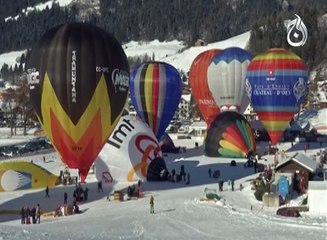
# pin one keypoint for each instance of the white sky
(179, 213)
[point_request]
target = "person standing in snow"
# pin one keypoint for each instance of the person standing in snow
(151, 204)
(100, 187)
(22, 214)
(188, 178)
(38, 213)
(65, 197)
(86, 194)
(47, 192)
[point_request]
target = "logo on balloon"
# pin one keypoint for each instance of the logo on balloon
(32, 77)
(293, 28)
(248, 88)
(299, 88)
(74, 78)
(120, 79)
(149, 152)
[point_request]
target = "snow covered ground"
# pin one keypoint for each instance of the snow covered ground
(179, 213)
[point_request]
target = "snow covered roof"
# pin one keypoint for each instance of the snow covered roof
(186, 97)
(199, 125)
(302, 160)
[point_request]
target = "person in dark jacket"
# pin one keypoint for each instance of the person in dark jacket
(38, 213)
(100, 187)
(86, 194)
(151, 204)
(47, 192)
(188, 178)
(33, 215)
(22, 214)
(27, 215)
(65, 197)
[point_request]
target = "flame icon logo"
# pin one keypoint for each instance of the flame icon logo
(291, 32)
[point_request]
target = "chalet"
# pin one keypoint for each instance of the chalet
(200, 42)
(301, 166)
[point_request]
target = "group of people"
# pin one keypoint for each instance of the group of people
(79, 194)
(33, 213)
(174, 177)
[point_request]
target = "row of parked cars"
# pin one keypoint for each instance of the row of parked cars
(32, 146)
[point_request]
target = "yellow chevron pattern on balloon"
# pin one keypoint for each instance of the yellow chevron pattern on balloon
(100, 101)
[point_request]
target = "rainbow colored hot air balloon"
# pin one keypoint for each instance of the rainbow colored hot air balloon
(276, 84)
(79, 81)
(229, 135)
(199, 85)
(156, 89)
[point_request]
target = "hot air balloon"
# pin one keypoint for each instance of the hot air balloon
(129, 152)
(156, 89)
(226, 79)
(276, 85)
(230, 135)
(78, 77)
(19, 175)
(199, 85)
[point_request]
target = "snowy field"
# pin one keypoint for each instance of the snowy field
(179, 213)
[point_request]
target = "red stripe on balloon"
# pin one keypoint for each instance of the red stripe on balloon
(155, 94)
(275, 116)
(274, 136)
(275, 64)
(236, 135)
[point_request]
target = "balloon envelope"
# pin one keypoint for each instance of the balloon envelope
(128, 153)
(276, 85)
(226, 79)
(229, 135)
(156, 89)
(199, 85)
(79, 81)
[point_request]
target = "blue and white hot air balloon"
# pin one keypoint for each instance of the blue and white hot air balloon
(226, 79)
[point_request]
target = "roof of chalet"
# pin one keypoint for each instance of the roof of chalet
(186, 97)
(302, 160)
(199, 125)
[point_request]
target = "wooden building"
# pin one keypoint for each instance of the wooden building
(303, 168)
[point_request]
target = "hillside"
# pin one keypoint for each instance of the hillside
(184, 20)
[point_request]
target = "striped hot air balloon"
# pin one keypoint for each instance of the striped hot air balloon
(156, 89)
(276, 84)
(229, 135)
(226, 79)
(79, 81)
(199, 85)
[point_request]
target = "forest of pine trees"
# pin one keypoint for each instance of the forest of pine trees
(185, 20)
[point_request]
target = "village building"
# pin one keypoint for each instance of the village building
(302, 168)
